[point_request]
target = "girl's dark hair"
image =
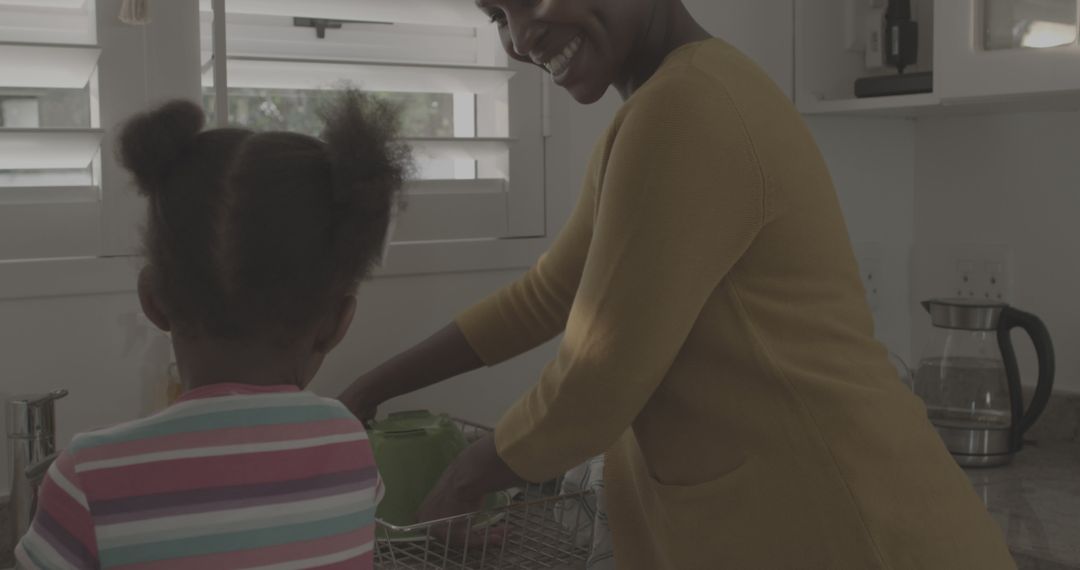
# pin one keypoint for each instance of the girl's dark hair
(261, 233)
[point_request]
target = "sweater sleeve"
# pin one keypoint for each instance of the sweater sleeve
(62, 534)
(681, 201)
(535, 308)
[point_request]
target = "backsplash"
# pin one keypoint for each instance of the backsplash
(1060, 421)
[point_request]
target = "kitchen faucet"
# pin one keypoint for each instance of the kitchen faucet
(31, 434)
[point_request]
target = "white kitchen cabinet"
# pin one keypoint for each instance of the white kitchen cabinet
(1006, 48)
(986, 56)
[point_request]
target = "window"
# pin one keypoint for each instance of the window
(50, 128)
(70, 74)
(474, 121)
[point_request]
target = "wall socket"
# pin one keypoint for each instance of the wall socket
(982, 273)
(944, 270)
(870, 257)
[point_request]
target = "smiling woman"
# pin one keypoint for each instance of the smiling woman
(590, 46)
(717, 346)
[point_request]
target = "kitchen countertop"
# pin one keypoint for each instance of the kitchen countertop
(1036, 500)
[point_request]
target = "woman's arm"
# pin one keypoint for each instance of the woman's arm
(520, 317)
(683, 198)
(441, 356)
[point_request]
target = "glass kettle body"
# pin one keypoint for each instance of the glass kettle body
(969, 379)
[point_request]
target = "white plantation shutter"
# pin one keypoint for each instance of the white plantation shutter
(50, 135)
(70, 74)
(479, 147)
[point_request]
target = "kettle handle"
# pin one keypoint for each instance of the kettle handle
(1044, 349)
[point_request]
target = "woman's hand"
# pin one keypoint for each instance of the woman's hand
(450, 498)
(477, 472)
(461, 490)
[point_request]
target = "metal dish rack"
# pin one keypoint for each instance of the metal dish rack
(539, 529)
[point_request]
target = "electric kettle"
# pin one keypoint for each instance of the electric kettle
(970, 381)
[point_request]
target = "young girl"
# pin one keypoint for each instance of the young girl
(255, 243)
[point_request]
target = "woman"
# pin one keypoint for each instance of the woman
(718, 346)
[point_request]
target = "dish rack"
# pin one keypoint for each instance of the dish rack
(539, 528)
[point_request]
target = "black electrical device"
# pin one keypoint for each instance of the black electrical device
(901, 50)
(901, 35)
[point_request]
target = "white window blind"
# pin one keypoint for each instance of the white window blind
(473, 117)
(50, 129)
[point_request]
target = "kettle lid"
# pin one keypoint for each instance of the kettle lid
(965, 314)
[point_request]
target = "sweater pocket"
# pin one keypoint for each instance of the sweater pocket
(703, 525)
(678, 492)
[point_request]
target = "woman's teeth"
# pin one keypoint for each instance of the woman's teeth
(560, 63)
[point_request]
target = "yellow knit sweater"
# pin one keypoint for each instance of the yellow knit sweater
(719, 348)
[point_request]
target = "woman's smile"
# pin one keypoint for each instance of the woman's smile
(561, 62)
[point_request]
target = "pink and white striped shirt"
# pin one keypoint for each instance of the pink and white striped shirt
(231, 476)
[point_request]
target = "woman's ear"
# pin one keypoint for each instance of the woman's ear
(342, 319)
(151, 305)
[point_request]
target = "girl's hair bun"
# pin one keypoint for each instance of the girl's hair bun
(370, 164)
(153, 143)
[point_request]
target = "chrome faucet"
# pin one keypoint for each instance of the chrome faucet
(31, 434)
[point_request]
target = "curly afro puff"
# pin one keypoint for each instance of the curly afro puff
(259, 234)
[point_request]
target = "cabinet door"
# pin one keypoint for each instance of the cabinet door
(1006, 48)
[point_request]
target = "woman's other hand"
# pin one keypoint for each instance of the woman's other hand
(477, 472)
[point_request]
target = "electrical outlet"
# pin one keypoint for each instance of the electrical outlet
(869, 257)
(874, 26)
(981, 272)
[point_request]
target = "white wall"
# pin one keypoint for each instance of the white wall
(1010, 180)
(764, 30)
(872, 162)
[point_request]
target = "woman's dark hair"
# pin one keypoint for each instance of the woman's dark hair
(261, 233)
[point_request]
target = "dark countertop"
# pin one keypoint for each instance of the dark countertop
(1036, 500)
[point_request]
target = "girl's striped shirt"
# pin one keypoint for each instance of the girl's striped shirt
(232, 476)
